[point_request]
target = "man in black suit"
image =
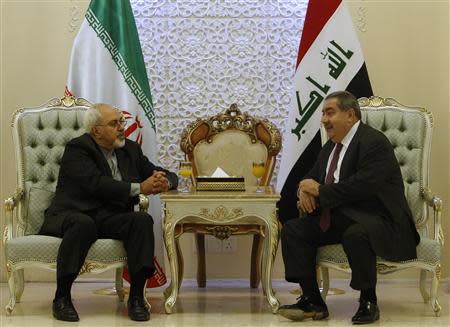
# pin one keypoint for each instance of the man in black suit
(353, 195)
(100, 177)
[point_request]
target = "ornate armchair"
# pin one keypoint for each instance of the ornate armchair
(410, 130)
(39, 136)
(232, 141)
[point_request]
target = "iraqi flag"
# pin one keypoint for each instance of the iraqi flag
(329, 59)
(107, 66)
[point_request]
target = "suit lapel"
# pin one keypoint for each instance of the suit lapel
(122, 163)
(100, 157)
(328, 147)
(349, 158)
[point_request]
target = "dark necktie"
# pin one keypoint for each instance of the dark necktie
(325, 216)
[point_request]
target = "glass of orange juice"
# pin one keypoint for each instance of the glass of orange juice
(185, 171)
(258, 171)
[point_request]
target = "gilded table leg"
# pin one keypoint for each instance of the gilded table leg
(171, 291)
(180, 262)
(201, 261)
(270, 251)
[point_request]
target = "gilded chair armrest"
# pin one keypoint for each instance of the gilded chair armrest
(10, 205)
(143, 203)
(435, 202)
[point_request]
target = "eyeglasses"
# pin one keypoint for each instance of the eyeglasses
(115, 123)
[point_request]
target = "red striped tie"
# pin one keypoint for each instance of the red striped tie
(325, 216)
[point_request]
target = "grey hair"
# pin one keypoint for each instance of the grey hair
(346, 101)
(92, 117)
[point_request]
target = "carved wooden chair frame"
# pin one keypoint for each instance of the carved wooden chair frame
(258, 130)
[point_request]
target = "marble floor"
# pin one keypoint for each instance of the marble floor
(222, 303)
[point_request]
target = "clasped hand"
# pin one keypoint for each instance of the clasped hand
(308, 192)
(155, 184)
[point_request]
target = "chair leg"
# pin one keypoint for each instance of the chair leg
(20, 284)
(119, 284)
(423, 289)
(180, 262)
(255, 263)
(433, 293)
(201, 264)
(144, 292)
(12, 293)
(325, 282)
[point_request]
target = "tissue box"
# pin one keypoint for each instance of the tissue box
(220, 183)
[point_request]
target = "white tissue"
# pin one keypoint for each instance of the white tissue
(219, 172)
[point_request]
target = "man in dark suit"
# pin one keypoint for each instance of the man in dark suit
(100, 177)
(353, 195)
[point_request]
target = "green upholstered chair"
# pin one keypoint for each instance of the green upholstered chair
(409, 129)
(40, 135)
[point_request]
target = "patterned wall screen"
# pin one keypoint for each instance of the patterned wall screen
(201, 56)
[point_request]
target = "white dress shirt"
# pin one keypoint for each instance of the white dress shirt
(111, 158)
(345, 144)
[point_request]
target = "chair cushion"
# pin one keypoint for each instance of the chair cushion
(41, 137)
(406, 130)
(44, 249)
(38, 200)
(428, 251)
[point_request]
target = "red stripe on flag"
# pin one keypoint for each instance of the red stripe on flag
(317, 15)
(158, 279)
(67, 93)
(130, 129)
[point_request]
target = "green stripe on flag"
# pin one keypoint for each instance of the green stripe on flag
(114, 24)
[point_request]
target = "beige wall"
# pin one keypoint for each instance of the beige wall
(405, 43)
(406, 47)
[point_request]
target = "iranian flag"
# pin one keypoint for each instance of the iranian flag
(329, 59)
(107, 66)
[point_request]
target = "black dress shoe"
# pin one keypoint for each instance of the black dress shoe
(367, 313)
(63, 309)
(304, 309)
(137, 309)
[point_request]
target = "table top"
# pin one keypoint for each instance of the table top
(249, 194)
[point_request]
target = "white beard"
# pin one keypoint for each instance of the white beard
(118, 143)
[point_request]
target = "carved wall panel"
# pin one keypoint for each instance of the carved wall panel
(201, 56)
